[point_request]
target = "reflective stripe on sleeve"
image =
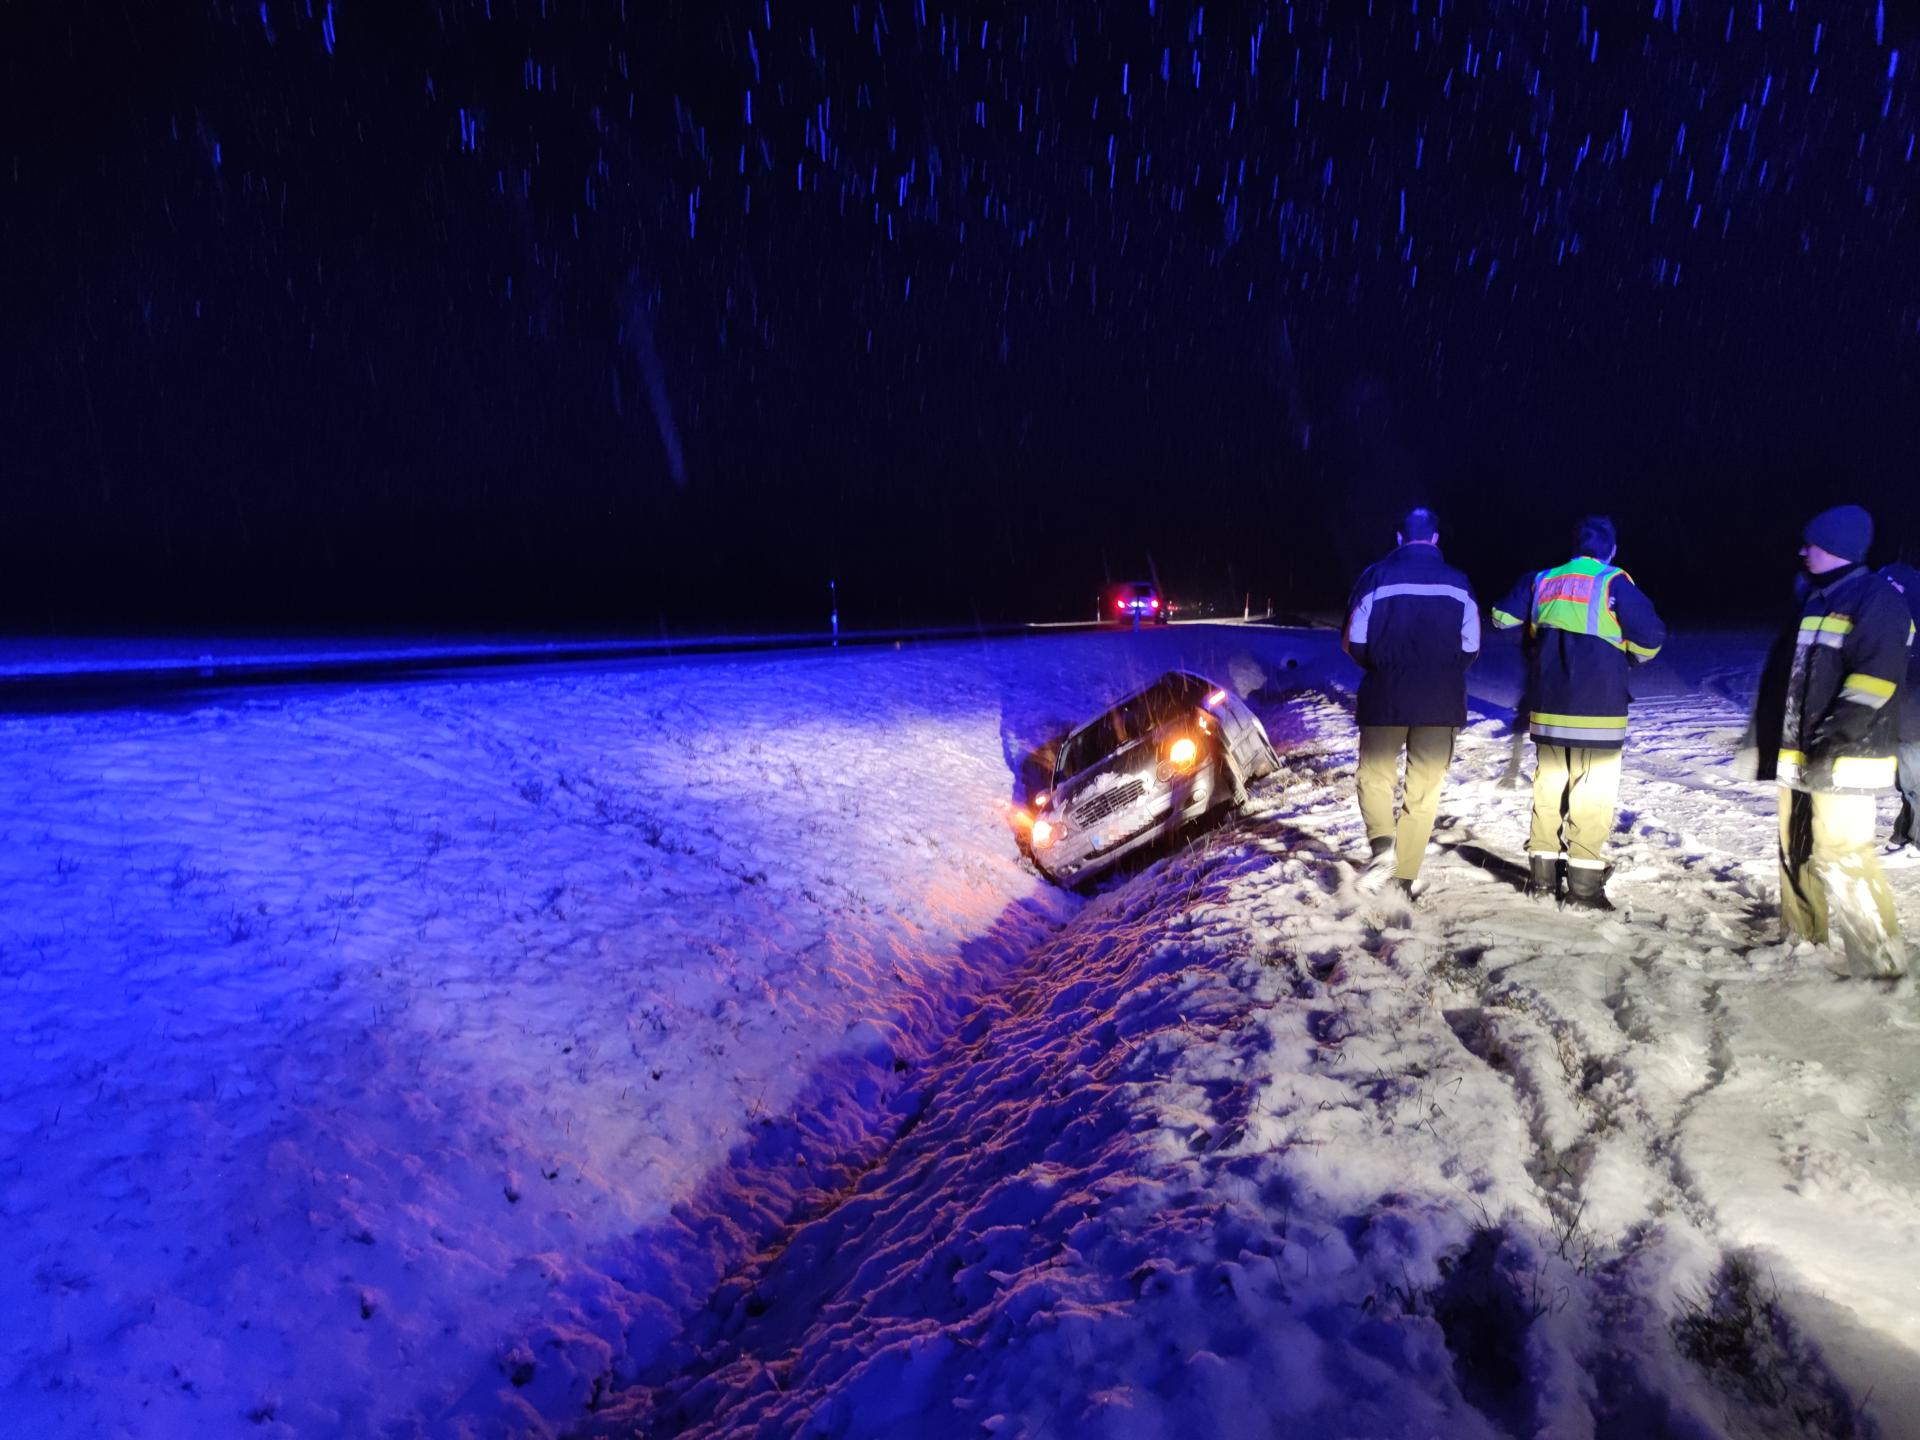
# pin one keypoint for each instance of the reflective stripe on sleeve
(1867, 690)
(1645, 652)
(1357, 623)
(1502, 620)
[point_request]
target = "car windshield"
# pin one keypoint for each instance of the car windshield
(1167, 698)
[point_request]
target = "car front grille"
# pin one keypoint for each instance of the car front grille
(1109, 801)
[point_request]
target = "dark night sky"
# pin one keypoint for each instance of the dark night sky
(546, 311)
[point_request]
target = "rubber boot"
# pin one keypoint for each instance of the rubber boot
(1587, 889)
(1543, 879)
(1379, 867)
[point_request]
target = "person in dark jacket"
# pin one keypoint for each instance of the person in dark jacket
(1587, 622)
(1837, 747)
(1903, 848)
(1413, 626)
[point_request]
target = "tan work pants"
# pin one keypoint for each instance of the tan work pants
(1429, 750)
(1831, 880)
(1574, 794)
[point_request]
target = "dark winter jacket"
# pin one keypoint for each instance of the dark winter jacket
(1906, 579)
(1414, 627)
(1850, 655)
(1588, 622)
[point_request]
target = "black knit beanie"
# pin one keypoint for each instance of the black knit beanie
(1845, 530)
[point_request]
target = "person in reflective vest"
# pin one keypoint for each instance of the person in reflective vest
(1837, 747)
(1588, 622)
(1413, 627)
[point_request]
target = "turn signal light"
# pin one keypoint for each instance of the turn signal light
(1183, 752)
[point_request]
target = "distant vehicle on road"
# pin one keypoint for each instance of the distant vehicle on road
(1136, 599)
(1158, 760)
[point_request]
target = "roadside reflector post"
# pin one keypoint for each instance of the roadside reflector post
(833, 598)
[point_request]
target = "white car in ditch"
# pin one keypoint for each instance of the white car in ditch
(1158, 760)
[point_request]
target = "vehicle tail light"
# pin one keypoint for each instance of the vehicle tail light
(1156, 604)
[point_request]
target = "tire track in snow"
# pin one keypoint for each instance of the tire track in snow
(1579, 1079)
(1561, 1067)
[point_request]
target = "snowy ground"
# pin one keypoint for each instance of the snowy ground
(684, 1048)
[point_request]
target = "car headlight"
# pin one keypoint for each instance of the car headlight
(1182, 753)
(1042, 834)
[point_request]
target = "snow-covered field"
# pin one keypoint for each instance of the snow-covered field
(685, 1048)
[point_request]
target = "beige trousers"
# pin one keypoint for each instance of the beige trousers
(1429, 750)
(1574, 794)
(1831, 880)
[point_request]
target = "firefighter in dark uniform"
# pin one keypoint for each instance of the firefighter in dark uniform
(1587, 622)
(1837, 747)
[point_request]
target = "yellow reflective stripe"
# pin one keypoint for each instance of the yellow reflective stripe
(1864, 772)
(1581, 722)
(1830, 624)
(1850, 772)
(1643, 651)
(1502, 620)
(1869, 685)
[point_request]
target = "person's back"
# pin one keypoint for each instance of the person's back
(1590, 623)
(1587, 622)
(1413, 627)
(1419, 626)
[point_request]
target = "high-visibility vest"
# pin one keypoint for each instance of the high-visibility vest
(1573, 597)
